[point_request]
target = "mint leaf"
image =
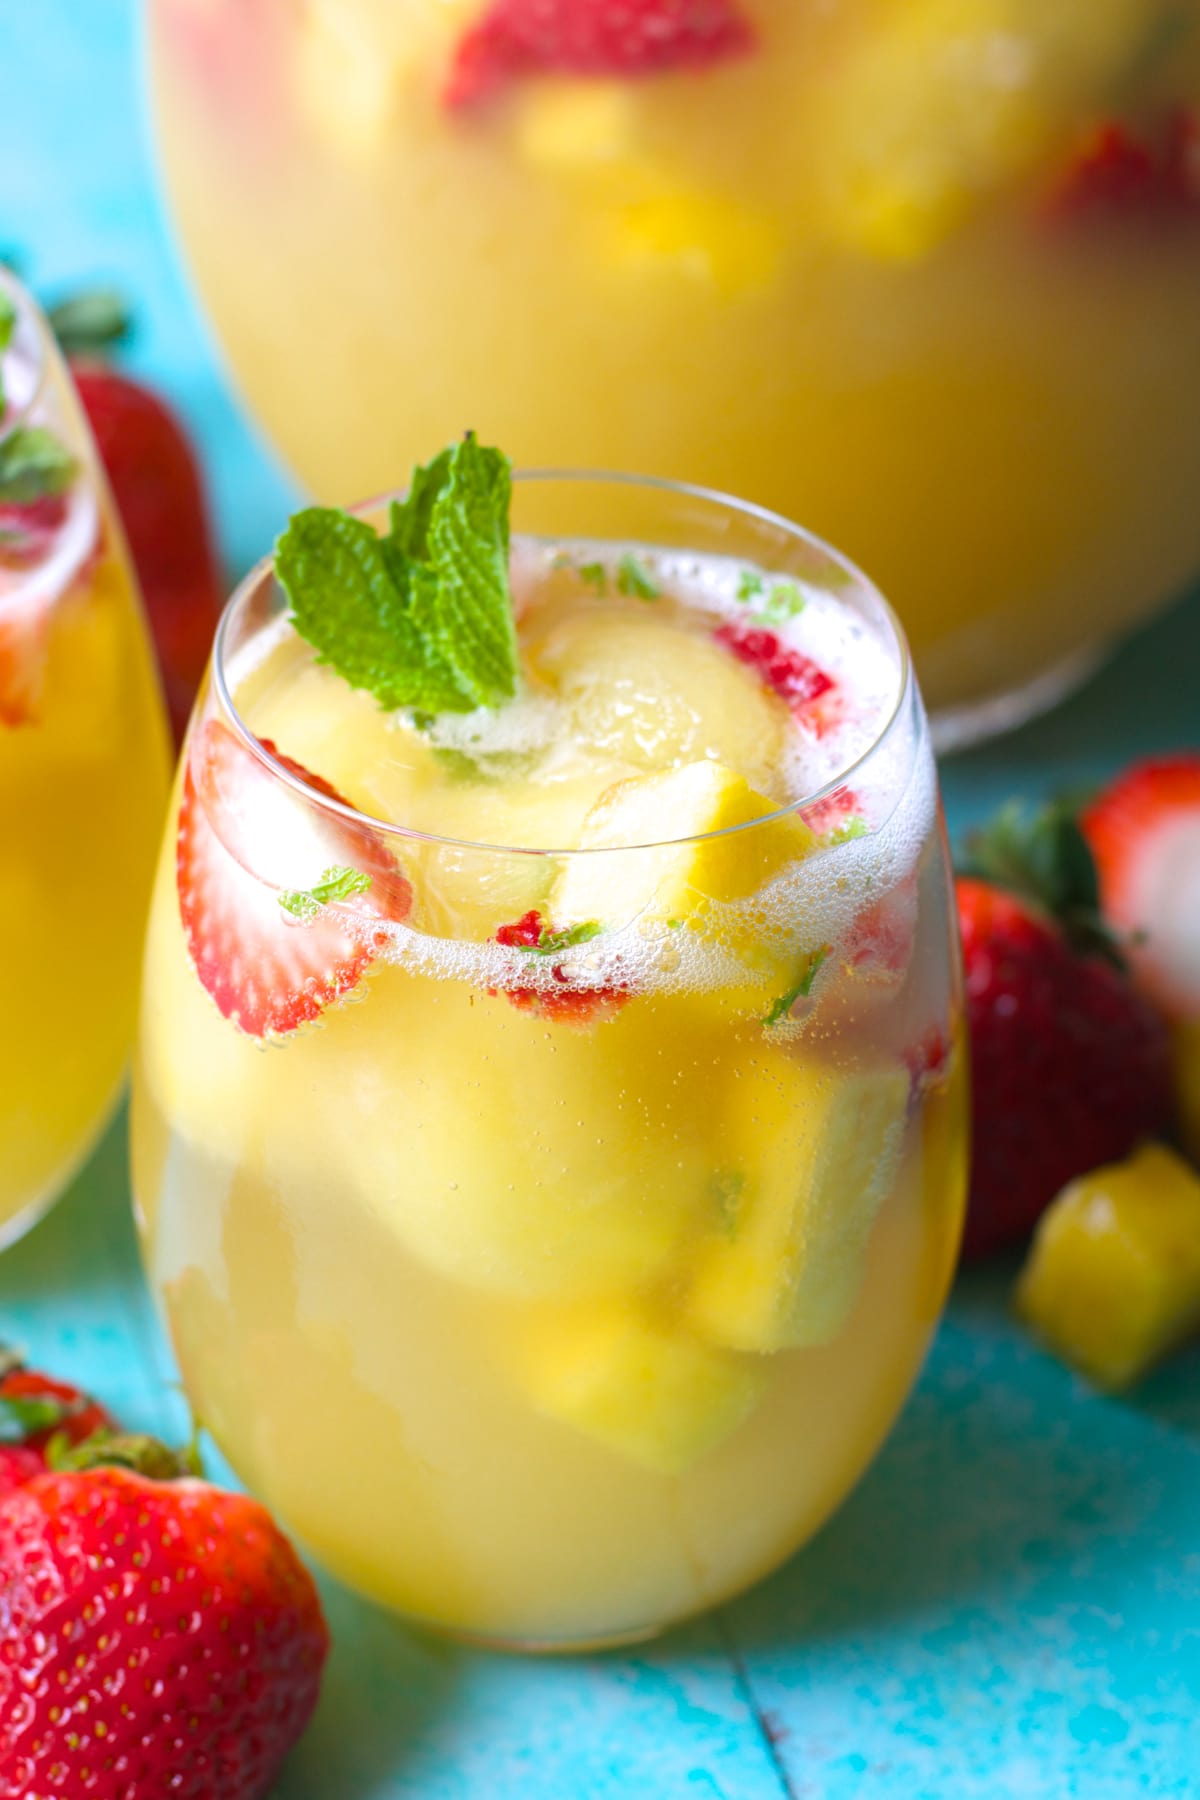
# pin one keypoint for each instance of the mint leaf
(421, 618)
(726, 1189)
(8, 322)
(803, 988)
(750, 585)
(553, 943)
(595, 576)
(33, 466)
(634, 582)
(337, 883)
(855, 827)
(785, 601)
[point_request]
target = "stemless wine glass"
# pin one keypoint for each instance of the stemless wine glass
(549, 1297)
(921, 274)
(83, 776)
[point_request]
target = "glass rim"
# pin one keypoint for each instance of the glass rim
(263, 571)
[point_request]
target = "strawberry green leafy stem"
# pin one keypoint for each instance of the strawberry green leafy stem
(338, 883)
(420, 616)
(803, 988)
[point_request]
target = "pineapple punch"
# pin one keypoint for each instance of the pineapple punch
(549, 1116)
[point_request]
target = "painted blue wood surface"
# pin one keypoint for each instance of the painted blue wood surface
(1010, 1603)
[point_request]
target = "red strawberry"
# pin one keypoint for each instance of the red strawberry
(796, 678)
(625, 39)
(152, 469)
(566, 1003)
(1116, 170)
(34, 1408)
(244, 836)
(159, 1637)
(1070, 1066)
(1145, 835)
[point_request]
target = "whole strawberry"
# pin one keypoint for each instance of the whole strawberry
(153, 473)
(160, 1635)
(35, 1410)
(1070, 1065)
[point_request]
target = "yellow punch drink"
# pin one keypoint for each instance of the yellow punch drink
(83, 776)
(549, 1137)
(921, 272)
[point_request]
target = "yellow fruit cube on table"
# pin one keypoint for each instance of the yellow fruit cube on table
(1113, 1279)
(660, 1399)
(812, 1156)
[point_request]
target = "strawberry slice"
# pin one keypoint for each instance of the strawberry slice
(566, 1003)
(244, 837)
(625, 39)
(1144, 832)
(1116, 171)
(796, 678)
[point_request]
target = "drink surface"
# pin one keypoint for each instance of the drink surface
(83, 776)
(632, 1161)
(920, 273)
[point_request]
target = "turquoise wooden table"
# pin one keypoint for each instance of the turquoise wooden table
(1010, 1603)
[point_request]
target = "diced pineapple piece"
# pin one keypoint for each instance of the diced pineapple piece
(642, 692)
(941, 105)
(705, 238)
(569, 125)
(557, 1164)
(677, 880)
(1113, 1279)
(815, 1153)
(660, 1399)
(355, 58)
(1185, 1056)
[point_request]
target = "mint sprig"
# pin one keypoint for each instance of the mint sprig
(34, 465)
(633, 580)
(553, 943)
(802, 989)
(421, 617)
(8, 324)
(338, 883)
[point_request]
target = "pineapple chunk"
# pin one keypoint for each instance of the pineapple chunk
(354, 59)
(660, 1399)
(641, 692)
(815, 1153)
(676, 880)
(942, 105)
(1113, 1279)
(571, 125)
(705, 238)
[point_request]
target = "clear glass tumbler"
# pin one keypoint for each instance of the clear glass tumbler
(83, 775)
(549, 1297)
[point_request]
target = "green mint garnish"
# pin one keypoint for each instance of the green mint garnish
(23, 1416)
(8, 324)
(803, 988)
(750, 586)
(34, 466)
(595, 575)
(335, 884)
(421, 617)
(553, 943)
(725, 1189)
(634, 582)
(785, 601)
(87, 322)
(844, 834)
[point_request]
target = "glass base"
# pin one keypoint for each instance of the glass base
(958, 727)
(534, 1646)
